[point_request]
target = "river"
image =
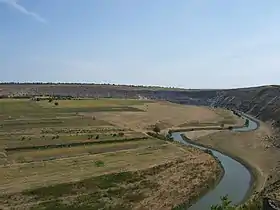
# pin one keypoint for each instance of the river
(237, 179)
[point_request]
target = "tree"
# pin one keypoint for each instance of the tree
(225, 205)
(156, 129)
(169, 137)
(247, 123)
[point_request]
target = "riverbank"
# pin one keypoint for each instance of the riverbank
(249, 148)
(212, 185)
(254, 182)
(235, 166)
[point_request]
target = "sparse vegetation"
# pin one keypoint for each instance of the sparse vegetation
(99, 163)
(55, 143)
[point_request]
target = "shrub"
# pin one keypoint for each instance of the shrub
(156, 129)
(156, 135)
(247, 123)
(50, 100)
(208, 151)
(97, 137)
(56, 103)
(226, 205)
(169, 137)
(121, 134)
(99, 163)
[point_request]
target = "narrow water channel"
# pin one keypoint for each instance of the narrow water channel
(236, 181)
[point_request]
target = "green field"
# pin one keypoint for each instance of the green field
(23, 108)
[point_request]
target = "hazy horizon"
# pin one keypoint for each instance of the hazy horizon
(187, 44)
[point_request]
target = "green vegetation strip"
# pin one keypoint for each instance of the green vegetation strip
(74, 144)
(124, 190)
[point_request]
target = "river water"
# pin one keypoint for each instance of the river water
(236, 180)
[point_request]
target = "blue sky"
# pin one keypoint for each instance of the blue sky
(181, 43)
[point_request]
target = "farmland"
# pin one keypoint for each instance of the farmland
(76, 154)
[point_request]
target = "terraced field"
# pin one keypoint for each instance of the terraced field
(63, 154)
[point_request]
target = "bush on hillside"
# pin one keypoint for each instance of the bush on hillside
(156, 129)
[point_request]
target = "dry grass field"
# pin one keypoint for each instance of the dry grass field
(94, 154)
(169, 115)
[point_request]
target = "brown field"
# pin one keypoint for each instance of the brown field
(169, 115)
(80, 140)
(195, 171)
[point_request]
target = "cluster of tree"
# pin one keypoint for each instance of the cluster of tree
(156, 134)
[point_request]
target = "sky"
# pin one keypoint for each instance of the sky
(178, 43)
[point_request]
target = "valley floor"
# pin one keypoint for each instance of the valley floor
(92, 154)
